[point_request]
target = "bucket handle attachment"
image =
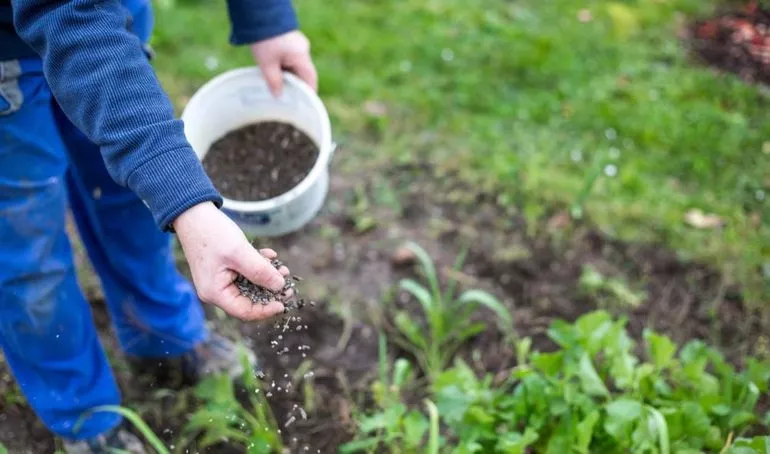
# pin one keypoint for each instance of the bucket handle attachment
(333, 148)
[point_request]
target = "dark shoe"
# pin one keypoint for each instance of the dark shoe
(215, 356)
(116, 440)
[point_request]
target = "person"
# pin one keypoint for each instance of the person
(86, 129)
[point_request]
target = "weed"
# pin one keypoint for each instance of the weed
(393, 425)
(609, 292)
(447, 317)
(359, 211)
(135, 419)
(13, 396)
(221, 417)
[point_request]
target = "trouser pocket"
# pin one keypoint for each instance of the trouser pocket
(11, 97)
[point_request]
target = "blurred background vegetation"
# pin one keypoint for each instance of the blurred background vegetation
(594, 107)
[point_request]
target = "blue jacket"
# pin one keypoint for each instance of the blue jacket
(100, 76)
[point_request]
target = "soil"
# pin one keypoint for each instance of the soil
(260, 161)
(737, 41)
(331, 348)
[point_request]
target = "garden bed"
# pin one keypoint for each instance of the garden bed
(349, 261)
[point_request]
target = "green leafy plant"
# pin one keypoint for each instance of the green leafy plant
(393, 424)
(448, 322)
(594, 394)
(756, 445)
(360, 210)
(222, 418)
(607, 291)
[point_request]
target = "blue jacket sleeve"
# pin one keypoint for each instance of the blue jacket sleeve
(256, 20)
(100, 76)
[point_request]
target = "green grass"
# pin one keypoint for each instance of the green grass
(531, 102)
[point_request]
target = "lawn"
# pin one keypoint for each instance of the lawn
(594, 106)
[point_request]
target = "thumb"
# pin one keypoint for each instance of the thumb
(257, 269)
(273, 76)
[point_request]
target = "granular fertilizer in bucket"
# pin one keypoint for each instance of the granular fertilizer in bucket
(260, 161)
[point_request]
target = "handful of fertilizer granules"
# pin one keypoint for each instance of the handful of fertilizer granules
(288, 295)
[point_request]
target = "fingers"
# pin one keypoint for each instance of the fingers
(271, 70)
(268, 253)
(258, 269)
(236, 305)
(305, 70)
(272, 255)
(242, 308)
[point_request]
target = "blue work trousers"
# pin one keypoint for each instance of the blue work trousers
(46, 327)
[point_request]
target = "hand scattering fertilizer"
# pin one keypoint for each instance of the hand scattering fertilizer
(261, 295)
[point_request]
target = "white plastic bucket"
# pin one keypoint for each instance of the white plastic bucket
(240, 97)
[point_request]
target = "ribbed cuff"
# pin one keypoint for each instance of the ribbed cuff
(258, 20)
(171, 183)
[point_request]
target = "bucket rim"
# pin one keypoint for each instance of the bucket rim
(326, 145)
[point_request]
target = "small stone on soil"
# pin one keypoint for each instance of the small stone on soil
(403, 256)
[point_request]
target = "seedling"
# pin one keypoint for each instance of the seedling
(393, 426)
(608, 291)
(448, 321)
(223, 418)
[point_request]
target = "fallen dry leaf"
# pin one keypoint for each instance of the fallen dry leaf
(584, 16)
(700, 220)
(375, 108)
(756, 220)
(559, 221)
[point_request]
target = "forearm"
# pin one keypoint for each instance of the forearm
(100, 76)
(257, 20)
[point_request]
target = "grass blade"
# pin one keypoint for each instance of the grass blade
(382, 350)
(433, 440)
(429, 269)
(410, 330)
(135, 419)
(421, 293)
(505, 320)
(452, 284)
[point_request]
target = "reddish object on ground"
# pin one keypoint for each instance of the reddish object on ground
(737, 41)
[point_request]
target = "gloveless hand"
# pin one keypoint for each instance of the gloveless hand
(290, 52)
(216, 250)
